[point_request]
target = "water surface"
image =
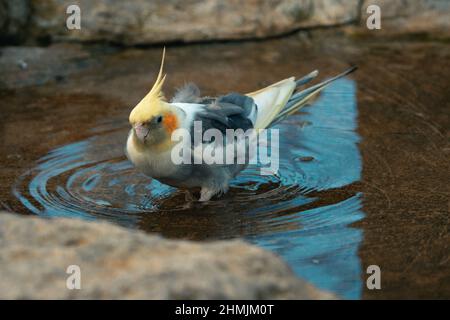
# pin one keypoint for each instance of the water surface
(288, 213)
(363, 174)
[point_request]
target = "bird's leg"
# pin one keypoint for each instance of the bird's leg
(189, 200)
(188, 197)
(206, 194)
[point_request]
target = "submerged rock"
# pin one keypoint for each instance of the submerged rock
(116, 263)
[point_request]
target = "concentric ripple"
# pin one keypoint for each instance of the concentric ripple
(296, 213)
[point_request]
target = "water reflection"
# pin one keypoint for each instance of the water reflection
(297, 213)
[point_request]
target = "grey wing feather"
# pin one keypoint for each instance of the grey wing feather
(231, 111)
(243, 102)
(227, 112)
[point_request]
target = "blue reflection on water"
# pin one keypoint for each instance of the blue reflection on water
(307, 250)
(331, 140)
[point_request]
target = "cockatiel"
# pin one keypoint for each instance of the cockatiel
(154, 119)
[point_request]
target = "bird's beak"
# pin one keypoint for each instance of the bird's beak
(141, 131)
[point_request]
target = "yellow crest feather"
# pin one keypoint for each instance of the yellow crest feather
(156, 90)
(151, 104)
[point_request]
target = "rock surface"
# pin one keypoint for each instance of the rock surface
(116, 263)
(14, 17)
(147, 22)
(407, 8)
(141, 22)
(412, 16)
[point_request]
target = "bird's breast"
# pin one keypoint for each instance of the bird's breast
(153, 164)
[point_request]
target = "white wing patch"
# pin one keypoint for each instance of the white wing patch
(271, 100)
(190, 109)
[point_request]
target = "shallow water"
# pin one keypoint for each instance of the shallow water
(288, 213)
(363, 173)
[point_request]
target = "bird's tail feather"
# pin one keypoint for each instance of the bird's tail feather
(301, 98)
(307, 78)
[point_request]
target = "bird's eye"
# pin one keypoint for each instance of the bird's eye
(159, 119)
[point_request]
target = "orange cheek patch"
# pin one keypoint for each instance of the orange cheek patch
(170, 122)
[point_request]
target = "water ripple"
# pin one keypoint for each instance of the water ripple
(294, 213)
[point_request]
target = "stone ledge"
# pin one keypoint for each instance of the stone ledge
(118, 263)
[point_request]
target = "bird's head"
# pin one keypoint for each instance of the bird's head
(153, 119)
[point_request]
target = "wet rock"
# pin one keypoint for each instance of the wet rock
(118, 263)
(143, 22)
